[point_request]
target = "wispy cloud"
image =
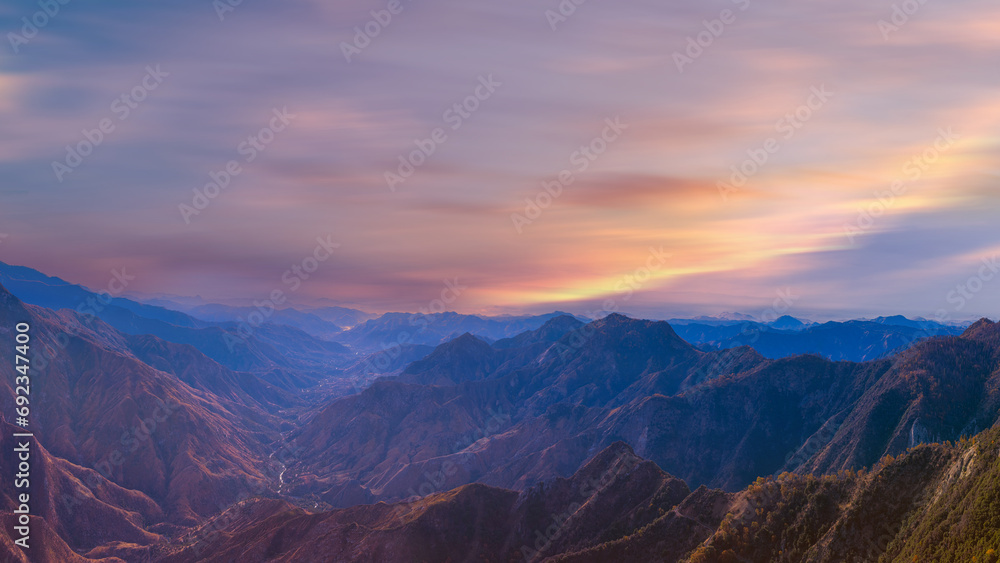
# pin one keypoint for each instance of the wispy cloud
(656, 187)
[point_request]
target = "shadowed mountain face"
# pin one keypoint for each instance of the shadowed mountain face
(618, 507)
(96, 404)
(718, 418)
(934, 503)
(939, 390)
(74, 503)
(615, 492)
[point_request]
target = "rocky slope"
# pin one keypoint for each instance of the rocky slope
(95, 404)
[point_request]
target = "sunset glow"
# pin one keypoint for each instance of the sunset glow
(798, 222)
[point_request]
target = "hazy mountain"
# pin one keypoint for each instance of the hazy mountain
(300, 316)
(36, 288)
(851, 340)
(724, 319)
(306, 322)
(341, 316)
(787, 322)
(393, 329)
(266, 347)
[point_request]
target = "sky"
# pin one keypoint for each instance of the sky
(828, 159)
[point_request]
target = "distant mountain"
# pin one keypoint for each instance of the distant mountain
(717, 320)
(231, 310)
(341, 316)
(32, 286)
(851, 340)
(430, 330)
(201, 372)
(736, 317)
(856, 341)
(306, 322)
(787, 323)
(549, 333)
(265, 348)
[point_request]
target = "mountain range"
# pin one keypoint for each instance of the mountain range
(534, 438)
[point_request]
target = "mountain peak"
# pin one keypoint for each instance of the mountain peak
(562, 321)
(787, 322)
(615, 319)
(984, 330)
(551, 331)
(464, 358)
(735, 317)
(465, 339)
(981, 323)
(465, 345)
(618, 457)
(619, 326)
(614, 451)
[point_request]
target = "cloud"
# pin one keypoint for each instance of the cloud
(655, 187)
